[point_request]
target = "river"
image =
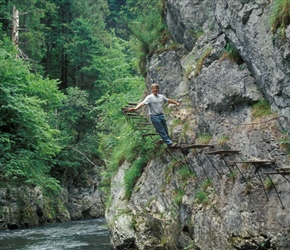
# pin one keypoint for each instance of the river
(74, 235)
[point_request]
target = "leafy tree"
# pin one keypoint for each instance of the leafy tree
(94, 11)
(45, 133)
(115, 69)
(32, 29)
(81, 51)
(142, 22)
(28, 142)
(77, 125)
(116, 19)
(75, 37)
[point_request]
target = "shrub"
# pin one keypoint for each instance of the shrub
(281, 16)
(178, 196)
(201, 196)
(232, 53)
(268, 184)
(261, 109)
(200, 61)
(132, 175)
(204, 138)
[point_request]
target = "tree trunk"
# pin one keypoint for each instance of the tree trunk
(15, 26)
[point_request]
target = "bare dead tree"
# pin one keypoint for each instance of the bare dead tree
(15, 27)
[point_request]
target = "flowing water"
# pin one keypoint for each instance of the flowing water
(75, 235)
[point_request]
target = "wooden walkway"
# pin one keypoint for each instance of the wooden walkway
(261, 167)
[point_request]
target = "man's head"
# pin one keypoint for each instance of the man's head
(154, 88)
(155, 85)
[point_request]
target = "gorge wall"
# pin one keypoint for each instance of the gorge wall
(80, 198)
(188, 199)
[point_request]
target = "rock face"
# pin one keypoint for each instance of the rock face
(84, 199)
(219, 196)
(25, 207)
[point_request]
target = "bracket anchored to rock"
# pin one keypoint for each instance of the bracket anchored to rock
(259, 164)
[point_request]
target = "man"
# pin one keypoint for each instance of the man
(155, 104)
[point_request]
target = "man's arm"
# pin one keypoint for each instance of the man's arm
(173, 102)
(141, 104)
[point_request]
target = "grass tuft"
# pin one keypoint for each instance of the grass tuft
(261, 109)
(281, 16)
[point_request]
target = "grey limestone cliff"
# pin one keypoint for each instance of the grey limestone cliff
(80, 198)
(226, 200)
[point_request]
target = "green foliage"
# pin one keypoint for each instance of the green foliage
(128, 146)
(109, 105)
(133, 173)
(231, 51)
(284, 142)
(92, 10)
(28, 142)
(232, 175)
(248, 188)
(204, 138)
(76, 116)
(223, 139)
(48, 136)
(178, 194)
(184, 173)
(202, 196)
(120, 142)
(191, 246)
(280, 18)
(32, 29)
(261, 109)
(145, 23)
(207, 183)
(76, 121)
(232, 54)
(123, 144)
(268, 183)
(130, 142)
(188, 70)
(116, 72)
(148, 32)
(82, 49)
(200, 61)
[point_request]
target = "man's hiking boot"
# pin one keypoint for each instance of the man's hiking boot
(173, 145)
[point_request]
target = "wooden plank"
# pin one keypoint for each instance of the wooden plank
(223, 152)
(150, 134)
(283, 169)
(196, 146)
(255, 161)
(133, 114)
(143, 123)
(176, 147)
(281, 173)
(138, 118)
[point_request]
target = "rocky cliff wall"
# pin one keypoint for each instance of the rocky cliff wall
(215, 197)
(79, 198)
